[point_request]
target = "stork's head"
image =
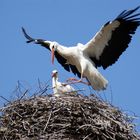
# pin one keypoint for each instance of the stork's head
(54, 73)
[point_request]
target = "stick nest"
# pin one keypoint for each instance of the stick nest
(64, 118)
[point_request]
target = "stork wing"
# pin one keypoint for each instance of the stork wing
(42, 42)
(113, 38)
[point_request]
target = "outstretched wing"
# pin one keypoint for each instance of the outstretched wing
(42, 42)
(113, 38)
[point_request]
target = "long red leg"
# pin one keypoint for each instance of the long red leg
(74, 80)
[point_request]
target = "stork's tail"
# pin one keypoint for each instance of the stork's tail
(97, 81)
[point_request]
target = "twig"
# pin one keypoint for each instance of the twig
(85, 125)
(17, 113)
(46, 88)
(116, 122)
(39, 83)
(87, 136)
(5, 99)
(47, 121)
(23, 94)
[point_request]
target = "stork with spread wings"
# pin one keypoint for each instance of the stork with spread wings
(103, 49)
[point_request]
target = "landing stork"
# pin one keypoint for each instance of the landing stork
(103, 49)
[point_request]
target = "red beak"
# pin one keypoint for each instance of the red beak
(52, 56)
(52, 74)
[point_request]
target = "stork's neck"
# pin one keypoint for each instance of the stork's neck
(54, 82)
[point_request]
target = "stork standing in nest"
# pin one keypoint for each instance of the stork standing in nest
(61, 89)
(103, 49)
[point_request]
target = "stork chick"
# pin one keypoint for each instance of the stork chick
(61, 89)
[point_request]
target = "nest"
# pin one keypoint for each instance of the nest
(77, 117)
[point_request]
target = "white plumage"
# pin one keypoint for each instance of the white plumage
(103, 49)
(84, 65)
(61, 89)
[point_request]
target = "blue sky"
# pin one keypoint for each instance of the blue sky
(67, 22)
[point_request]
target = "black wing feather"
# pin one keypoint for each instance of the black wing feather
(30, 39)
(120, 39)
(126, 13)
(36, 41)
(75, 71)
(66, 66)
(62, 61)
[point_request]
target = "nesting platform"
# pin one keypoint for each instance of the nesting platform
(65, 118)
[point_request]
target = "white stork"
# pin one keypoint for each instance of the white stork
(61, 89)
(103, 49)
